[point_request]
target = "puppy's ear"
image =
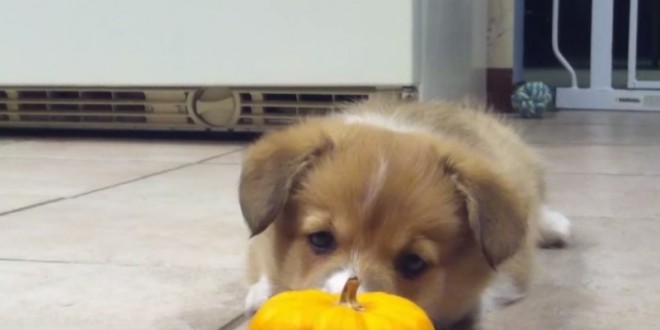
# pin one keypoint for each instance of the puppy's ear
(496, 214)
(271, 170)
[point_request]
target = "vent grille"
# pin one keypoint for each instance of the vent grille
(283, 107)
(119, 107)
(241, 109)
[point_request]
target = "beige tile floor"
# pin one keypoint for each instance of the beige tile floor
(140, 234)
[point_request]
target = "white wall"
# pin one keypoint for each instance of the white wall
(206, 42)
(454, 52)
(247, 42)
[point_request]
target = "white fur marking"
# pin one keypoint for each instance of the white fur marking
(336, 282)
(555, 227)
(258, 294)
(376, 184)
(501, 292)
(391, 123)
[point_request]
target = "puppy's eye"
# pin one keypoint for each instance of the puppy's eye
(410, 265)
(322, 242)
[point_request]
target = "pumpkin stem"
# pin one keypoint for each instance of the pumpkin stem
(349, 294)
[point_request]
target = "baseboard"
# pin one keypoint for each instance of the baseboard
(499, 86)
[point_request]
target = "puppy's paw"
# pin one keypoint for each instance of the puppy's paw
(555, 229)
(258, 294)
(502, 292)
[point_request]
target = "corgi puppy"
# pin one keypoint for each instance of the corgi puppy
(436, 202)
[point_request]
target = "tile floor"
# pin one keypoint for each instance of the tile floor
(141, 234)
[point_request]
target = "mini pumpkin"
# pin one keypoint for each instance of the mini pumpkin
(317, 310)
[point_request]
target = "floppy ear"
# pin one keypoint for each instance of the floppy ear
(497, 215)
(271, 169)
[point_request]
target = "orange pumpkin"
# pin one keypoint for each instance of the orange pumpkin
(317, 310)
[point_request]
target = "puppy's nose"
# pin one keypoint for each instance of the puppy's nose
(335, 282)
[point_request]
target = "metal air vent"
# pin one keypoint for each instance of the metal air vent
(222, 109)
(283, 107)
(94, 107)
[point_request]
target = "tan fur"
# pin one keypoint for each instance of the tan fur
(461, 190)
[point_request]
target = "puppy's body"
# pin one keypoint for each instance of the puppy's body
(420, 200)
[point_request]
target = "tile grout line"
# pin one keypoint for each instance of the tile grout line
(220, 163)
(234, 323)
(587, 144)
(227, 154)
(627, 175)
(172, 169)
(593, 124)
(613, 218)
(27, 207)
(51, 201)
(90, 159)
(149, 175)
(114, 160)
(12, 142)
(110, 264)
(571, 145)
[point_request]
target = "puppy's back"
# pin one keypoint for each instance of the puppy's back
(468, 123)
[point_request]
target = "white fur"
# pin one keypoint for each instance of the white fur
(376, 184)
(335, 283)
(387, 122)
(555, 227)
(555, 230)
(258, 294)
(501, 292)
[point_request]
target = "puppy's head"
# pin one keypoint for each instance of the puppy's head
(408, 214)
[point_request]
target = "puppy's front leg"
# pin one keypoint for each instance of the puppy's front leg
(258, 294)
(555, 228)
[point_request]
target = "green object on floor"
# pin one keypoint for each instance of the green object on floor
(532, 99)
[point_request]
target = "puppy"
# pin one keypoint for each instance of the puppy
(433, 202)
